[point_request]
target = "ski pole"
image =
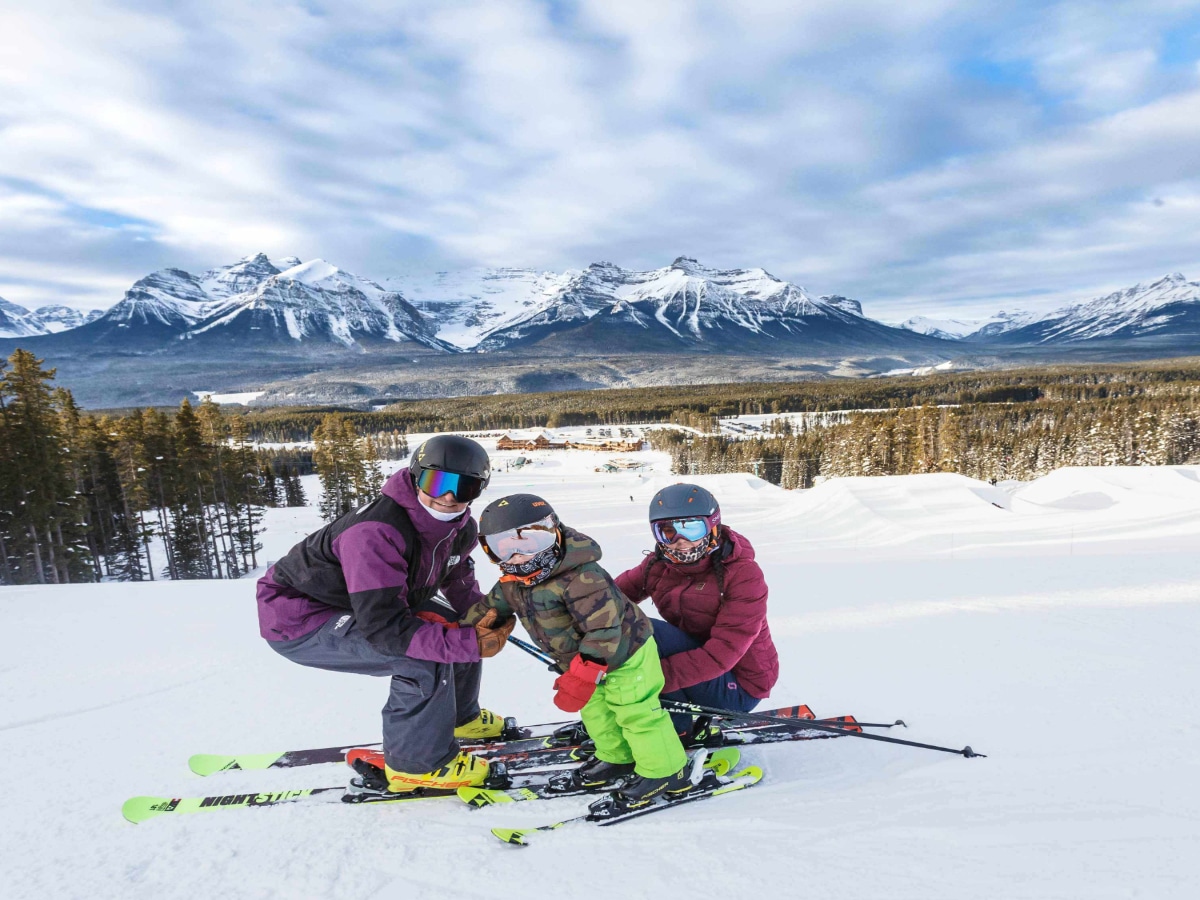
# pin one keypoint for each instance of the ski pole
(542, 657)
(533, 651)
(697, 709)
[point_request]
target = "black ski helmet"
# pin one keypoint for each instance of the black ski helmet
(514, 511)
(683, 501)
(521, 511)
(455, 454)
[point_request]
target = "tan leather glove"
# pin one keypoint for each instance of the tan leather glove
(492, 637)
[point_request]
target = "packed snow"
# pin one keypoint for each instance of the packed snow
(1050, 625)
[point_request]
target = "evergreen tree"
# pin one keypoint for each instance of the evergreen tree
(192, 548)
(334, 453)
(248, 494)
(348, 466)
(293, 490)
(43, 489)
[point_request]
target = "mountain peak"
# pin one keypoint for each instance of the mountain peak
(311, 272)
(844, 303)
(688, 265)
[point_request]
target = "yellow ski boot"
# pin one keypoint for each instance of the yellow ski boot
(464, 770)
(485, 726)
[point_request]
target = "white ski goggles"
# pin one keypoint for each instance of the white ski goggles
(525, 539)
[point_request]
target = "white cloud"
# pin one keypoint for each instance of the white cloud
(850, 146)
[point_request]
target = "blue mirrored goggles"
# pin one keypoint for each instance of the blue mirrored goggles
(437, 483)
(667, 530)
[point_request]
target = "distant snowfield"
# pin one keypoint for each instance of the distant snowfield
(1053, 627)
(241, 399)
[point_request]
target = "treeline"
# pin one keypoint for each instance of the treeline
(699, 405)
(89, 497)
(985, 441)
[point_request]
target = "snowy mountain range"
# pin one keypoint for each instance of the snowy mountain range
(602, 309)
(257, 302)
(685, 306)
(968, 329)
(1166, 309)
(17, 321)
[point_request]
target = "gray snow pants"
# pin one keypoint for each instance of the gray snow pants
(427, 699)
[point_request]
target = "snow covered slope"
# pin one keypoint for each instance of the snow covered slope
(1051, 626)
(315, 301)
(1166, 308)
(56, 318)
(17, 321)
(970, 329)
(466, 305)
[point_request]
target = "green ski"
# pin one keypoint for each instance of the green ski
(709, 787)
(139, 809)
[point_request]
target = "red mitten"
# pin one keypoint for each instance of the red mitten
(574, 688)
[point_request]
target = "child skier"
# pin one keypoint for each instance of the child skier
(602, 643)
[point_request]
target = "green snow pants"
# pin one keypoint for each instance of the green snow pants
(627, 723)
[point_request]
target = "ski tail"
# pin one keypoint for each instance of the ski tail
(139, 809)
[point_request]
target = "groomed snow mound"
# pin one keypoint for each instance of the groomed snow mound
(945, 513)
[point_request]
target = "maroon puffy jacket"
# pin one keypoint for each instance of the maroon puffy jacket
(731, 629)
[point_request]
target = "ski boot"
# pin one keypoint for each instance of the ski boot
(640, 791)
(464, 770)
(373, 758)
(703, 734)
(591, 776)
(380, 782)
(568, 735)
(487, 726)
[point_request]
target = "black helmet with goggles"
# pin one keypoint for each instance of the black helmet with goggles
(519, 524)
(450, 463)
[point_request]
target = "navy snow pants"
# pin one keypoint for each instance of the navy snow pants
(426, 702)
(722, 692)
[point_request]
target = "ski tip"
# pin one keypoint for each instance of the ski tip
(748, 776)
(139, 809)
(512, 835)
(723, 759)
(211, 763)
(479, 797)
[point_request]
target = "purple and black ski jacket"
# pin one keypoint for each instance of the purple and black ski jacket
(362, 563)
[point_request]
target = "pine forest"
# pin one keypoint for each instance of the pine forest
(180, 492)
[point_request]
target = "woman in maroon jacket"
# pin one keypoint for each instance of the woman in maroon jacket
(715, 644)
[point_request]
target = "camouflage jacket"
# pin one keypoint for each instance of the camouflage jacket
(578, 609)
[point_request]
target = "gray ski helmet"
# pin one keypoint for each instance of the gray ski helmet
(514, 511)
(684, 501)
(454, 455)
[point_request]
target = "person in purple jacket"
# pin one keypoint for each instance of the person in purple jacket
(713, 637)
(379, 592)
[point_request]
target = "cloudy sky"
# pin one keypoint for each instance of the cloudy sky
(921, 156)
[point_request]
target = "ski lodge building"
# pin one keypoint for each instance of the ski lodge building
(541, 439)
